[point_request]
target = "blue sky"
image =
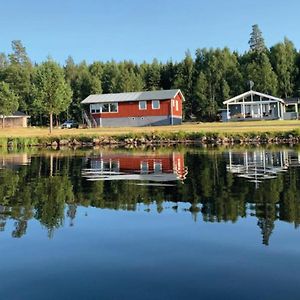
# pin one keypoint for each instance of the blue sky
(141, 30)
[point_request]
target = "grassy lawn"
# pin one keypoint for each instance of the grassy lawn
(230, 127)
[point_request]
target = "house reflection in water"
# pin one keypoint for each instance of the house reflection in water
(260, 164)
(136, 166)
(13, 160)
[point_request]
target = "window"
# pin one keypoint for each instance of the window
(157, 167)
(105, 107)
(176, 105)
(155, 104)
(142, 105)
(95, 108)
(144, 167)
(113, 107)
(92, 108)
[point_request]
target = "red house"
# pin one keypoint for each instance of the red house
(162, 107)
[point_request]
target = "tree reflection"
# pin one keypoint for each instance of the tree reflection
(51, 188)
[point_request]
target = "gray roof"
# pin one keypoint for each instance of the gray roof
(19, 114)
(16, 114)
(132, 96)
(292, 100)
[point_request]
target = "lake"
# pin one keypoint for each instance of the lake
(151, 223)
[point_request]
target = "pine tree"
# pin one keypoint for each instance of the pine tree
(256, 41)
(18, 74)
(152, 76)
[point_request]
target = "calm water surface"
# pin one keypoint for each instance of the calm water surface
(150, 224)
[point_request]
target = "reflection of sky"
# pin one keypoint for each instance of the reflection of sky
(141, 255)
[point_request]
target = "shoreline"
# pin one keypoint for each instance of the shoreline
(153, 139)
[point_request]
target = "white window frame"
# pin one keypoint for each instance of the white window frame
(140, 102)
(114, 112)
(157, 167)
(144, 166)
(177, 105)
(158, 101)
(96, 108)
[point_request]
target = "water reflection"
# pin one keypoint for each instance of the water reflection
(158, 167)
(261, 164)
(218, 186)
(13, 160)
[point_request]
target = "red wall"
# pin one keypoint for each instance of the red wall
(131, 109)
(132, 163)
(179, 112)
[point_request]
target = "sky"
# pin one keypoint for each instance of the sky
(141, 30)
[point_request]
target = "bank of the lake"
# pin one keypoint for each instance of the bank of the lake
(204, 133)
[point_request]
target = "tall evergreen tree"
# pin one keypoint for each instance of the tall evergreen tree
(152, 76)
(168, 75)
(256, 41)
(110, 77)
(19, 74)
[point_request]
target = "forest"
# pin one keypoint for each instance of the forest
(206, 78)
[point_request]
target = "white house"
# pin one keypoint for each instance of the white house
(254, 105)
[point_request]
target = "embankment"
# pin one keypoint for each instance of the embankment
(153, 138)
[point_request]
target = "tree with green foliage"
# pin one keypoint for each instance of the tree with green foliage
(184, 81)
(151, 74)
(218, 72)
(19, 74)
(8, 101)
(168, 75)
(203, 107)
(283, 58)
(260, 71)
(128, 80)
(256, 41)
(53, 94)
(224, 74)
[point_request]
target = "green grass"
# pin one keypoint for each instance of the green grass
(23, 137)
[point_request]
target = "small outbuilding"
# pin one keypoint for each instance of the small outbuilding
(149, 108)
(17, 119)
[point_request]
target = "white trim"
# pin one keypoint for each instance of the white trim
(158, 104)
(140, 108)
(251, 93)
(100, 105)
(252, 103)
(182, 97)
